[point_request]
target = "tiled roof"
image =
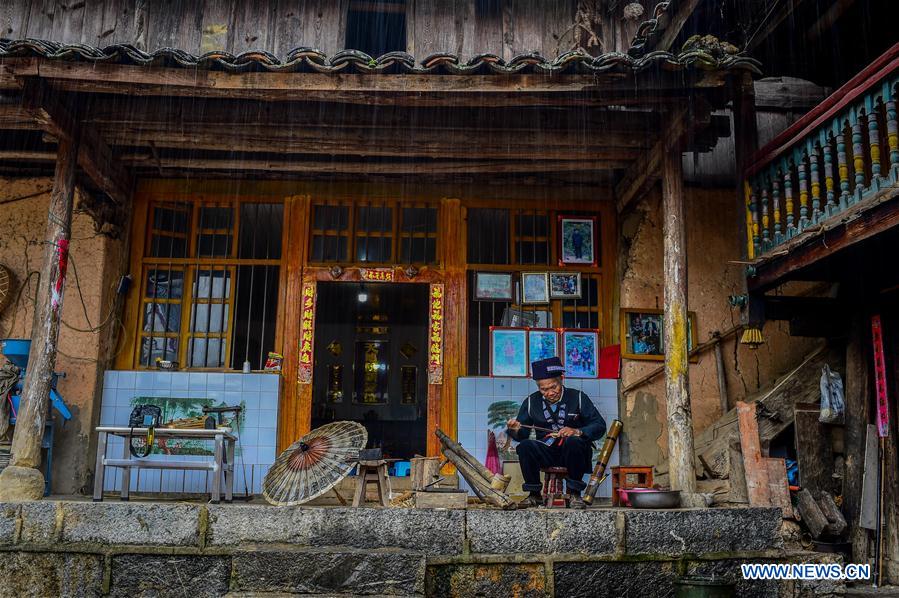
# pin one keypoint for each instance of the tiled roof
(309, 60)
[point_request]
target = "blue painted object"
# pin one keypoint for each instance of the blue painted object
(16, 351)
(402, 468)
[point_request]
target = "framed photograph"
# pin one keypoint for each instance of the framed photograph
(542, 344)
(493, 286)
(544, 318)
(577, 240)
(534, 288)
(515, 317)
(643, 334)
(580, 352)
(564, 285)
(508, 351)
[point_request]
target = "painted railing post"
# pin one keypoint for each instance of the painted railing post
(803, 190)
(754, 209)
(872, 108)
(892, 131)
(788, 195)
(858, 154)
(842, 163)
(830, 207)
(775, 205)
(816, 182)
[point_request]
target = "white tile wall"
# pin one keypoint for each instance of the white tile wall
(476, 394)
(257, 441)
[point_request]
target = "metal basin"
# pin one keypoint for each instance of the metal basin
(655, 499)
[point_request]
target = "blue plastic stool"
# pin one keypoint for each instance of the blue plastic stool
(402, 468)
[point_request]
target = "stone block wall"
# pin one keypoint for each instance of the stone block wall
(113, 548)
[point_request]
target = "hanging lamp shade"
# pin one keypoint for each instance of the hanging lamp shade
(753, 337)
(314, 464)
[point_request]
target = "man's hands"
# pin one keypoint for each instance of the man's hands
(513, 424)
(566, 432)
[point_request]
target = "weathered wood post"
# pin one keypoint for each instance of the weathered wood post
(22, 480)
(677, 392)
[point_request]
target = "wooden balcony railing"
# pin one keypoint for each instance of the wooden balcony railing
(839, 154)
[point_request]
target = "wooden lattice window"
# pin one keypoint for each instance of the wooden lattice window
(386, 232)
(209, 283)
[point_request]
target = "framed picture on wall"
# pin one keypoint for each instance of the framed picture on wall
(564, 285)
(508, 351)
(493, 286)
(542, 344)
(577, 240)
(534, 288)
(580, 352)
(643, 334)
(515, 317)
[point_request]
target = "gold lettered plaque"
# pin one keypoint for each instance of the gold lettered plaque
(335, 383)
(409, 377)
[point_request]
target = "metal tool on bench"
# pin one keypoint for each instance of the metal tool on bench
(219, 412)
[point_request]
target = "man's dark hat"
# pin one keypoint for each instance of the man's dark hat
(550, 367)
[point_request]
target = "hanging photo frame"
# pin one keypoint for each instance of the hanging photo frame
(643, 334)
(493, 286)
(534, 288)
(577, 241)
(580, 352)
(564, 285)
(508, 352)
(543, 343)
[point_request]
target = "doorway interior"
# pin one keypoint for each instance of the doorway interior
(370, 357)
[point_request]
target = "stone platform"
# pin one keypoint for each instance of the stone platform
(72, 548)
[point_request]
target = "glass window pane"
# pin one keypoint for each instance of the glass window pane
(165, 284)
(209, 317)
(318, 248)
(206, 352)
(171, 219)
(152, 348)
(419, 220)
(216, 217)
(261, 225)
(162, 317)
(213, 245)
(166, 246)
(212, 284)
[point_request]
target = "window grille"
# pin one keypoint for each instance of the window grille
(208, 301)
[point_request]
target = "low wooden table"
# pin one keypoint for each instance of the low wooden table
(221, 465)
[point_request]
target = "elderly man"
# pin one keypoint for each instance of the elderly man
(575, 424)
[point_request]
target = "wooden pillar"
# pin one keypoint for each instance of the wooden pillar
(746, 143)
(22, 480)
(677, 392)
(294, 415)
(858, 397)
(442, 398)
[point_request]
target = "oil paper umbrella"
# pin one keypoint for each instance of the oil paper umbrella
(314, 464)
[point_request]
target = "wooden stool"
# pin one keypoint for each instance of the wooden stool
(372, 472)
(629, 477)
(554, 487)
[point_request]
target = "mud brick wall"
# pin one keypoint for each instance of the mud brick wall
(112, 548)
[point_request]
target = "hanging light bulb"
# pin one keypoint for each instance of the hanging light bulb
(362, 296)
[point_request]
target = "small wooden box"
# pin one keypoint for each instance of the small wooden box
(441, 498)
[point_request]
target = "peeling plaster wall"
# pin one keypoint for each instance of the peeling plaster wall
(82, 355)
(712, 240)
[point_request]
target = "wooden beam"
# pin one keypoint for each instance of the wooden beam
(677, 391)
(412, 144)
(22, 480)
(676, 23)
(411, 90)
(858, 399)
(94, 155)
(645, 170)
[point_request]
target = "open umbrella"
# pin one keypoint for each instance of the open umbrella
(314, 464)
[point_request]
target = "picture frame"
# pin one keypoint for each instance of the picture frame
(564, 285)
(534, 288)
(580, 352)
(542, 344)
(508, 352)
(577, 242)
(515, 317)
(493, 286)
(643, 334)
